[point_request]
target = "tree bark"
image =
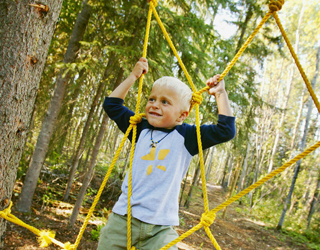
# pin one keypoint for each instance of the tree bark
(30, 183)
(25, 36)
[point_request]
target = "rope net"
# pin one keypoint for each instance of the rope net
(208, 217)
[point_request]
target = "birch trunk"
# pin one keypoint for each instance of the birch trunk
(295, 129)
(286, 98)
(24, 42)
(30, 183)
(302, 146)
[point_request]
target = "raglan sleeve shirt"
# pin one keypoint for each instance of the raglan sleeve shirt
(157, 173)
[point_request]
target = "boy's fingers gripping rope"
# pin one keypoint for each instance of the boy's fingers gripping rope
(136, 118)
(275, 5)
(155, 2)
(207, 219)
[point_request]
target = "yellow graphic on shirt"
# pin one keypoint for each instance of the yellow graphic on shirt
(163, 153)
(152, 156)
(162, 168)
(149, 170)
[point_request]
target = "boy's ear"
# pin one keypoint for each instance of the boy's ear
(183, 116)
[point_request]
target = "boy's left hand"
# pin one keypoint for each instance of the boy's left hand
(216, 87)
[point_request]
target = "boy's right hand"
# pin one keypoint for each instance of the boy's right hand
(140, 68)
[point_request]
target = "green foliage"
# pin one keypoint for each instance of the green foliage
(96, 232)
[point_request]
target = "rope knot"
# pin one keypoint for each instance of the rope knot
(45, 238)
(68, 246)
(155, 2)
(137, 118)
(207, 219)
(196, 98)
(275, 5)
(6, 211)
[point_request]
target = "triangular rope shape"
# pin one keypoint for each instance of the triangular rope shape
(208, 217)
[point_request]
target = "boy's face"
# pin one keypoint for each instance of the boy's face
(163, 109)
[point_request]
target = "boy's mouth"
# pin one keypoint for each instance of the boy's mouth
(154, 113)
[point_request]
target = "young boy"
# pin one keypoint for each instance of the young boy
(164, 149)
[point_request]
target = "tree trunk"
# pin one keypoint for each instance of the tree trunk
(285, 102)
(295, 129)
(30, 183)
(95, 152)
(233, 185)
(314, 202)
(225, 170)
(244, 171)
(302, 145)
(90, 170)
(194, 181)
(230, 170)
(26, 34)
(75, 160)
(210, 164)
(243, 26)
(221, 158)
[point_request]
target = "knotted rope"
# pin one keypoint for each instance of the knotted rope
(46, 237)
(275, 5)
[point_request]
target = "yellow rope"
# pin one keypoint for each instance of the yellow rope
(242, 193)
(172, 47)
(309, 87)
(46, 237)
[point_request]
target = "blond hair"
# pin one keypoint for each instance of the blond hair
(182, 89)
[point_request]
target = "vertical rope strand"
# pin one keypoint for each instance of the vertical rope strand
(302, 73)
(203, 178)
(130, 188)
(144, 54)
(76, 244)
(213, 240)
(172, 47)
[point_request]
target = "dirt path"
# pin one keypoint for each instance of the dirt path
(235, 232)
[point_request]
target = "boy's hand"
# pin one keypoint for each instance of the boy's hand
(140, 68)
(216, 88)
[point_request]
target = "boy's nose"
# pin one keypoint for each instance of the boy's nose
(155, 105)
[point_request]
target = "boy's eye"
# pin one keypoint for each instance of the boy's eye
(165, 102)
(151, 99)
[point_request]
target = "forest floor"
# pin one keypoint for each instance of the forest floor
(235, 232)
